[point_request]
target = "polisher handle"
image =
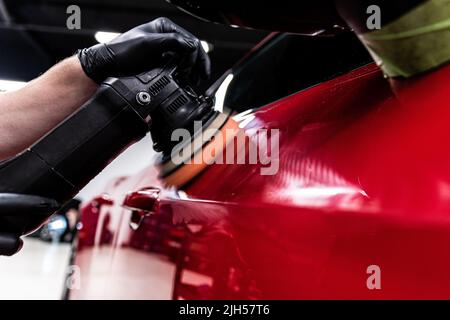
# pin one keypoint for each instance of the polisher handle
(69, 156)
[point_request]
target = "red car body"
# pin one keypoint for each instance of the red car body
(363, 180)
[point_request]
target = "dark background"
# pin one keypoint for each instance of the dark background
(33, 34)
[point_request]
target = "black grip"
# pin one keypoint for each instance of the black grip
(69, 156)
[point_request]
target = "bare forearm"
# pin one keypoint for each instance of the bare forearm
(29, 113)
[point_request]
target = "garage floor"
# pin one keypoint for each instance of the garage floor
(123, 273)
(36, 272)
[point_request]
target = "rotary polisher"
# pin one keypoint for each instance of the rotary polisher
(35, 183)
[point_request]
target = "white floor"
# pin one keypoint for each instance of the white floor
(124, 274)
(39, 270)
(36, 272)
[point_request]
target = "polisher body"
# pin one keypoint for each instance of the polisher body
(35, 183)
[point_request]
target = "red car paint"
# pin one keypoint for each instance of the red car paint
(364, 179)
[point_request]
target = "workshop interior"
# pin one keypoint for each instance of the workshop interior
(311, 162)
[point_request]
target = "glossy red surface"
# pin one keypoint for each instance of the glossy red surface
(146, 200)
(364, 179)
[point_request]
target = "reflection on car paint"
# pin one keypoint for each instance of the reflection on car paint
(364, 179)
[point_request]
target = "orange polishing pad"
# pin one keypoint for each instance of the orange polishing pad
(214, 136)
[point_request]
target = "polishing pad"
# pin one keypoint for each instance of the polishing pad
(216, 134)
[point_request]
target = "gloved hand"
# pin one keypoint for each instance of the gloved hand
(142, 49)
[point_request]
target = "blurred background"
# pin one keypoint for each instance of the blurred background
(33, 37)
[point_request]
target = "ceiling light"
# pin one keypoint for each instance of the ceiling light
(9, 85)
(103, 36)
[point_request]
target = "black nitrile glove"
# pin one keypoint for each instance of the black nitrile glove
(142, 49)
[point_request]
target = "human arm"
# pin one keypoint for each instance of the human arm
(29, 113)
